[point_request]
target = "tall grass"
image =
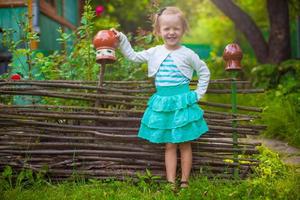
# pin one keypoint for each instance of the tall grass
(282, 119)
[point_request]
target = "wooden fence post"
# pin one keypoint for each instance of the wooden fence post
(100, 81)
(105, 42)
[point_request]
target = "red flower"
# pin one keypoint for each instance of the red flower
(15, 77)
(99, 10)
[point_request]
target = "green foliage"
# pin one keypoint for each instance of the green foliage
(274, 175)
(281, 116)
(294, 8)
(21, 48)
(210, 26)
(258, 12)
(216, 66)
(147, 180)
(9, 180)
(128, 15)
(270, 166)
(48, 65)
(285, 76)
(6, 179)
(79, 63)
(282, 101)
(124, 69)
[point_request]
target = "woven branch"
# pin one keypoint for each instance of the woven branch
(66, 139)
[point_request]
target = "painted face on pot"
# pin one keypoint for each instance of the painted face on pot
(171, 30)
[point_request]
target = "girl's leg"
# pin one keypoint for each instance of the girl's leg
(171, 161)
(186, 161)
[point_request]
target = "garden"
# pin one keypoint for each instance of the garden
(69, 123)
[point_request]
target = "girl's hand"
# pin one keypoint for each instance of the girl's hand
(117, 33)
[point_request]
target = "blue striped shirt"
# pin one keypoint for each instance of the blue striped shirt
(169, 75)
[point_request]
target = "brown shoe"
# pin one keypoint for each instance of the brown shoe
(184, 184)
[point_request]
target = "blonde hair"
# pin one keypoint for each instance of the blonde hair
(170, 10)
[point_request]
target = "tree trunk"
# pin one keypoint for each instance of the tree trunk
(278, 47)
(279, 40)
(247, 26)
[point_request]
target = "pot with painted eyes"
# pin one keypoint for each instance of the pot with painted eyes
(105, 43)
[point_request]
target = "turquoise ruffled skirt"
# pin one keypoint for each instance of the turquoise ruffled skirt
(172, 116)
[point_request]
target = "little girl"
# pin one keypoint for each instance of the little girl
(172, 116)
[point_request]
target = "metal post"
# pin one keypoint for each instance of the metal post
(234, 122)
(233, 56)
(298, 37)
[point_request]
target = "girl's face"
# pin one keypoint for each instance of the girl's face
(171, 30)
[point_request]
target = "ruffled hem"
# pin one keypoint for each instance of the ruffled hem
(185, 133)
(171, 103)
(172, 119)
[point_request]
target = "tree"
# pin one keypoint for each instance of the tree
(277, 48)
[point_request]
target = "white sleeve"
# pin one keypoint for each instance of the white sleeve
(203, 74)
(130, 54)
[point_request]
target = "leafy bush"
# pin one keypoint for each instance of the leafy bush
(285, 76)
(282, 100)
(274, 175)
(281, 115)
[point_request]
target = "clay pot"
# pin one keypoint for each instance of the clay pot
(232, 55)
(105, 42)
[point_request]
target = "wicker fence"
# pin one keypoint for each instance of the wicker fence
(101, 141)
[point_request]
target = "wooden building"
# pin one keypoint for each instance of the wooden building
(47, 17)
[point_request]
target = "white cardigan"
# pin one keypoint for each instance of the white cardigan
(186, 60)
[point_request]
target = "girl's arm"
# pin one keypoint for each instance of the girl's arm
(203, 74)
(128, 52)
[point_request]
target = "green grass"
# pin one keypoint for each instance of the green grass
(272, 180)
(200, 188)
